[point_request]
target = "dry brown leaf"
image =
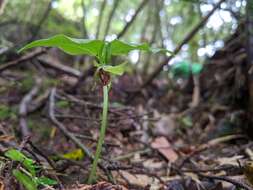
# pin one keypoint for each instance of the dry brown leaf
(164, 147)
(229, 160)
(138, 180)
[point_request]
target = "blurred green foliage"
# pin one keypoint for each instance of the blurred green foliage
(162, 23)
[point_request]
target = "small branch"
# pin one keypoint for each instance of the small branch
(42, 20)
(101, 11)
(69, 135)
(22, 59)
(186, 39)
(115, 5)
(128, 24)
(84, 28)
(62, 128)
(227, 179)
(23, 109)
(196, 92)
(60, 67)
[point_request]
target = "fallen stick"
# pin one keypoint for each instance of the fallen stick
(62, 128)
(238, 184)
(23, 108)
(54, 64)
(71, 136)
(22, 59)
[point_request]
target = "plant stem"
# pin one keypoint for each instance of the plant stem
(101, 135)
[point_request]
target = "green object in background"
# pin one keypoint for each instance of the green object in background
(185, 69)
(27, 175)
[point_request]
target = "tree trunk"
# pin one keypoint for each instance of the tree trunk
(249, 27)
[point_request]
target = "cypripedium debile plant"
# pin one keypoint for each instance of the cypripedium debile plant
(102, 51)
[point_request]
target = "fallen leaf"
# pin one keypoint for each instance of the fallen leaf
(138, 179)
(164, 147)
(76, 154)
(230, 160)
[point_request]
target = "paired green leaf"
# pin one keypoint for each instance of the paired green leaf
(25, 180)
(97, 48)
(16, 155)
(69, 45)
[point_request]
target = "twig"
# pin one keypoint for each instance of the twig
(36, 149)
(23, 109)
(67, 133)
(84, 28)
(60, 67)
(128, 24)
(187, 38)
(196, 92)
(22, 59)
(227, 179)
(62, 127)
(210, 144)
(38, 102)
(41, 21)
(71, 136)
(94, 140)
(50, 162)
(115, 5)
(101, 11)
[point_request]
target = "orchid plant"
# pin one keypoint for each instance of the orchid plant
(102, 51)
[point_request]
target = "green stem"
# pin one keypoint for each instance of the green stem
(92, 176)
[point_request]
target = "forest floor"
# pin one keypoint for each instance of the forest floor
(166, 138)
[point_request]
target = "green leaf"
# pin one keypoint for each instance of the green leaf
(69, 45)
(16, 155)
(46, 181)
(185, 69)
(196, 68)
(5, 112)
(101, 49)
(25, 180)
(116, 70)
(119, 47)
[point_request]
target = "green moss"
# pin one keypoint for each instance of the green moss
(63, 104)
(5, 112)
(27, 83)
